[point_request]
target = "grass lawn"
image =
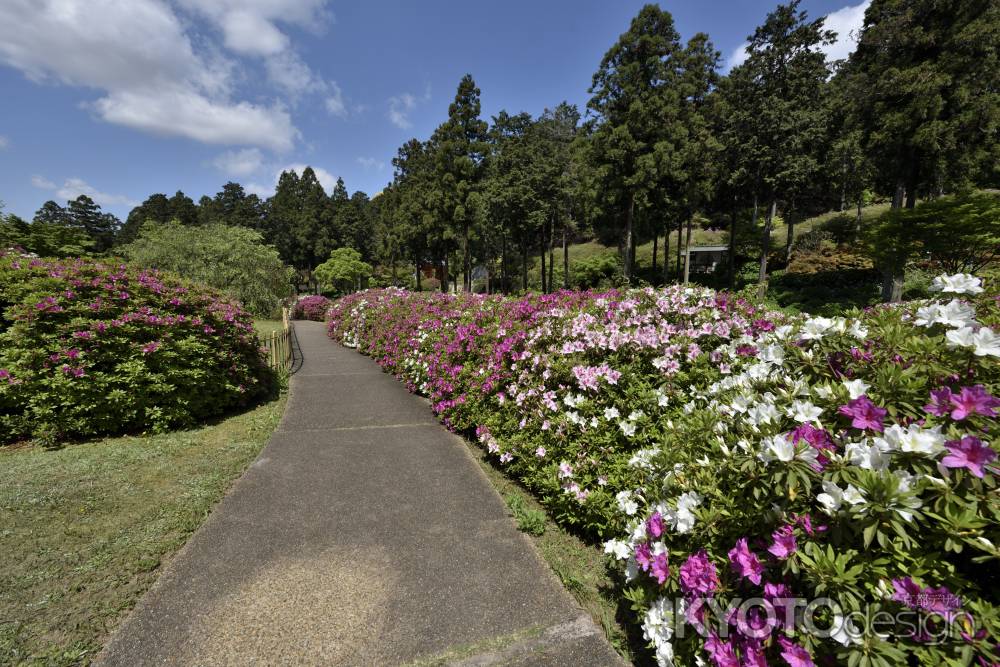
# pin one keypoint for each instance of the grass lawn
(84, 529)
(265, 327)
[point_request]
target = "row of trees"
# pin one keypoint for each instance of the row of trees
(912, 114)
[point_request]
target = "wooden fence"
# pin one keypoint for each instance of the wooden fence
(278, 345)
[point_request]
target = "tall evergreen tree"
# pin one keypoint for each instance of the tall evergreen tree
(53, 214)
(85, 214)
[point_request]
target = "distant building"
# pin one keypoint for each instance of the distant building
(705, 258)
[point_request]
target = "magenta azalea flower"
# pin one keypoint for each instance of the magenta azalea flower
(794, 655)
(784, 543)
(722, 653)
(643, 556)
(973, 400)
(745, 562)
(971, 453)
(659, 568)
(906, 591)
(940, 404)
(864, 414)
(654, 525)
(698, 575)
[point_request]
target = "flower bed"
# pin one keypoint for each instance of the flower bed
(728, 454)
(311, 307)
(88, 349)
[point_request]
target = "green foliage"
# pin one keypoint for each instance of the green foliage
(344, 270)
(92, 349)
(960, 233)
(232, 259)
(528, 520)
(595, 271)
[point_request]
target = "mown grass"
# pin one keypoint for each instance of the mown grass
(84, 529)
(265, 327)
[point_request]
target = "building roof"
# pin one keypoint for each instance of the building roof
(707, 248)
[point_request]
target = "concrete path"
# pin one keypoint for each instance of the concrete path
(365, 534)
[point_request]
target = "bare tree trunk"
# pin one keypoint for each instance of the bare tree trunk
(687, 256)
(552, 233)
(420, 288)
(666, 254)
(857, 220)
(627, 265)
(635, 267)
(732, 247)
(893, 272)
(542, 255)
(656, 238)
(444, 276)
(680, 230)
(466, 260)
(790, 221)
(503, 262)
(565, 257)
(765, 248)
(524, 262)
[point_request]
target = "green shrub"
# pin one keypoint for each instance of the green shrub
(91, 349)
(232, 259)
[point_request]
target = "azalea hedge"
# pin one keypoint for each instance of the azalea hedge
(312, 307)
(90, 348)
(775, 489)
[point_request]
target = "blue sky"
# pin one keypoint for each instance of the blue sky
(119, 99)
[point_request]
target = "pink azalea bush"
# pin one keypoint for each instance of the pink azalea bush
(312, 307)
(727, 453)
(88, 348)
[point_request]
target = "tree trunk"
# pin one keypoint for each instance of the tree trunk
(552, 233)
(627, 245)
(732, 247)
(635, 267)
(687, 256)
(680, 269)
(503, 263)
(542, 255)
(444, 276)
(790, 221)
(466, 260)
(857, 220)
(420, 288)
(565, 257)
(894, 272)
(524, 262)
(656, 238)
(765, 248)
(666, 254)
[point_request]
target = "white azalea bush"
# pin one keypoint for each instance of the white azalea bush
(726, 454)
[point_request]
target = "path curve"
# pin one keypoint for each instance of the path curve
(365, 533)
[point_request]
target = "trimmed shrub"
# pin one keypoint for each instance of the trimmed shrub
(734, 454)
(88, 349)
(312, 307)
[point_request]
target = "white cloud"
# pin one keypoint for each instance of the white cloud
(239, 163)
(246, 32)
(42, 183)
(846, 22)
(287, 71)
(3, 142)
(139, 55)
(371, 163)
(335, 101)
(74, 187)
(400, 107)
(325, 178)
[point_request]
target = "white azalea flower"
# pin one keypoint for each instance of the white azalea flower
(626, 503)
(772, 354)
(867, 456)
(913, 439)
(804, 411)
(611, 413)
(960, 283)
(986, 343)
(858, 330)
(856, 388)
(956, 314)
(631, 570)
(814, 328)
(843, 631)
(833, 496)
(823, 391)
(617, 548)
(628, 428)
(777, 448)
(636, 415)
(964, 337)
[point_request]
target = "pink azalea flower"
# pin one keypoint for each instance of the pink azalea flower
(973, 400)
(971, 453)
(864, 414)
(643, 556)
(722, 653)
(698, 575)
(906, 591)
(784, 543)
(745, 562)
